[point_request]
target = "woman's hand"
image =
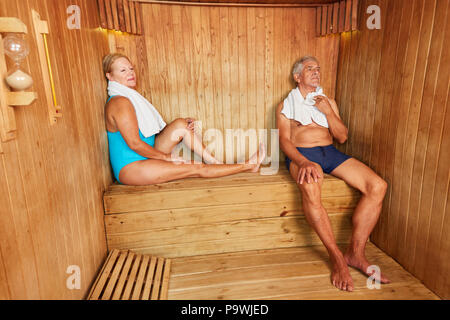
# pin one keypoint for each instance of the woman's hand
(307, 171)
(323, 105)
(175, 159)
(190, 122)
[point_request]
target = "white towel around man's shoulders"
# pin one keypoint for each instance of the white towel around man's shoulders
(302, 109)
(149, 120)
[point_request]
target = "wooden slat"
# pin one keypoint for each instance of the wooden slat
(138, 10)
(341, 16)
(157, 280)
(123, 277)
(348, 15)
(335, 17)
(114, 276)
(120, 11)
(132, 277)
(132, 10)
(115, 14)
(102, 13)
(126, 12)
(330, 19)
(354, 15)
(324, 20)
(105, 273)
(140, 278)
(318, 21)
(109, 14)
(165, 280)
(149, 283)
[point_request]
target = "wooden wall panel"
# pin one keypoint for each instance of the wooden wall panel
(52, 177)
(226, 66)
(397, 113)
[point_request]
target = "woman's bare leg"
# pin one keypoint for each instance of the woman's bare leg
(153, 171)
(178, 131)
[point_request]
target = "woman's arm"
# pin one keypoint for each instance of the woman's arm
(124, 116)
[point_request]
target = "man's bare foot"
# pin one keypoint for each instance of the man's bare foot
(257, 158)
(340, 276)
(360, 262)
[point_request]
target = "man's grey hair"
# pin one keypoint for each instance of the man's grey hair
(298, 66)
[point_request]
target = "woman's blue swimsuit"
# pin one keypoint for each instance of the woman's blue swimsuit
(120, 154)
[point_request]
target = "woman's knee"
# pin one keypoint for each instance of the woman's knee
(180, 123)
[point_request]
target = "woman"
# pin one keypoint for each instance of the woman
(140, 142)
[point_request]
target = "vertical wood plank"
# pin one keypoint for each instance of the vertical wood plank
(132, 10)
(102, 13)
(341, 16)
(115, 14)
(109, 14)
(120, 11)
(348, 15)
(138, 9)
(354, 23)
(126, 13)
(324, 20)
(335, 18)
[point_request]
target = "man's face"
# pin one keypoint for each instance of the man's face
(310, 75)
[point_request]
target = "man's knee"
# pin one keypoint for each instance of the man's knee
(377, 188)
(311, 194)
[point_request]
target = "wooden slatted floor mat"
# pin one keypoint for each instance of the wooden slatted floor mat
(127, 275)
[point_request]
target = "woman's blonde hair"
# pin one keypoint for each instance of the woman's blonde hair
(109, 59)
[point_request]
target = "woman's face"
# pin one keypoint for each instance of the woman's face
(122, 71)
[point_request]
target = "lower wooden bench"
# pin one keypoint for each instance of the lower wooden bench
(130, 276)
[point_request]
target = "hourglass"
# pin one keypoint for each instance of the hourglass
(17, 49)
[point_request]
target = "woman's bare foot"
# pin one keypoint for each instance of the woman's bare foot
(360, 262)
(257, 158)
(340, 276)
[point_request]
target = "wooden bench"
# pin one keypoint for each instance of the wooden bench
(247, 211)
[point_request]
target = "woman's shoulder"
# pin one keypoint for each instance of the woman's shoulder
(118, 103)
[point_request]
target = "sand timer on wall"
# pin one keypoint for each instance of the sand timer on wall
(14, 81)
(16, 48)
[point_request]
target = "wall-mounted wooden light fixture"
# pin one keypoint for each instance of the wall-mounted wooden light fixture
(120, 15)
(337, 17)
(10, 99)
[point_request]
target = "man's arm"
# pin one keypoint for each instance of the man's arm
(337, 128)
(307, 169)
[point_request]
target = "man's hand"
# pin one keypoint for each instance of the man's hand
(307, 171)
(323, 105)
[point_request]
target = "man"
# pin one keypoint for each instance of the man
(308, 122)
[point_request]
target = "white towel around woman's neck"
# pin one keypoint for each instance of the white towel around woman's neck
(149, 120)
(302, 109)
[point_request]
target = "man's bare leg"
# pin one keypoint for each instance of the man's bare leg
(317, 217)
(367, 212)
